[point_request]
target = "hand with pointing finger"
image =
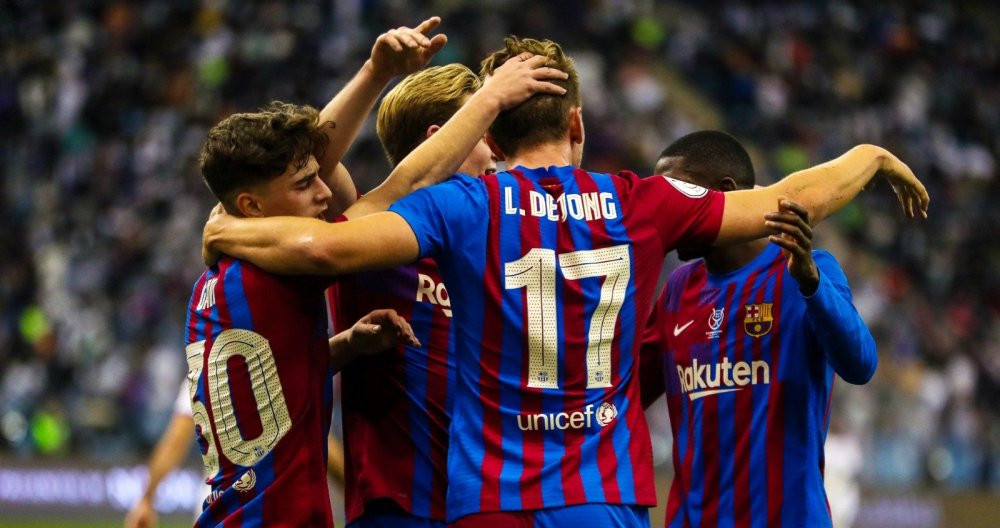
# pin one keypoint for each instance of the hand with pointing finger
(404, 50)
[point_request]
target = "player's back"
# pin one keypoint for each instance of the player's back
(258, 361)
(748, 391)
(549, 271)
(396, 404)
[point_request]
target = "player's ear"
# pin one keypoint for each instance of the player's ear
(431, 130)
(249, 205)
(497, 153)
(576, 133)
(727, 184)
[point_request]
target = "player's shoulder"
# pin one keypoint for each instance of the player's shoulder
(683, 277)
(234, 269)
(459, 187)
(462, 181)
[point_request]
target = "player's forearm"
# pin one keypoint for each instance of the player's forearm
(169, 452)
(437, 158)
(289, 245)
(348, 111)
(822, 190)
(343, 117)
(280, 244)
(341, 351)
(335, 460)
(828, 187)
(841, 334)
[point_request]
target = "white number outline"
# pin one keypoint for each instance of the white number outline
(536, 272)
(265, 384)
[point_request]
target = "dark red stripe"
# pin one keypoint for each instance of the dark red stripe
(681, 487)
(776, 411)
(607, 458)
(574, 375)
(437, 395)
(710, 431)
(647, 259)
(743, 420)
(532, 442)
(489, 361)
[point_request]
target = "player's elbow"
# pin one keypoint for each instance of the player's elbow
(865, 370)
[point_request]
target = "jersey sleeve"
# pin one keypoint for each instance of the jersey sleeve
(839, 331)
(683, 214)
(442, 214)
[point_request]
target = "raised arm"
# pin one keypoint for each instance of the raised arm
(822, 190)
(439, 156)
(396, 52)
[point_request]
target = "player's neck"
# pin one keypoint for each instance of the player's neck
(731, 258)
(544, 155)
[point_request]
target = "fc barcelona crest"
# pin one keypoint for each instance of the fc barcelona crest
(758, 319)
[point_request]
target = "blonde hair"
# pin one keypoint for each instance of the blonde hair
(428, 97)
(543, 117)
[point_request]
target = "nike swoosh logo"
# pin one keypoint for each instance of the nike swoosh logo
(696, 395)
(679, 329)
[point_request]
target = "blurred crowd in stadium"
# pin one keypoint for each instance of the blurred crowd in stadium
(104, 109)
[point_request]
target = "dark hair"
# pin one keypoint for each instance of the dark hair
(712, 155)
(244, 150)
(543, 117)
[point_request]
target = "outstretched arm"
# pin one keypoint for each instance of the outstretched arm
(439, 156)
(822, 190)
(290, 245)
(396, 52)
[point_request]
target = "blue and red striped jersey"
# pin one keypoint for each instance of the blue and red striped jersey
(551, 273)
(261, 392)
(747, 364)
(396, 405)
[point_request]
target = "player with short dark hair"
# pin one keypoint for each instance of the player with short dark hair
(551, 271)
(258, 357)
(746, 341)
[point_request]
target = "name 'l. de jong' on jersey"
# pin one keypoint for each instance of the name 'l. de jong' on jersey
(551, 272)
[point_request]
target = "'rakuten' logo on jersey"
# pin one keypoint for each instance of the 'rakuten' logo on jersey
(698, 381)
(433, 292)
(604, 415)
